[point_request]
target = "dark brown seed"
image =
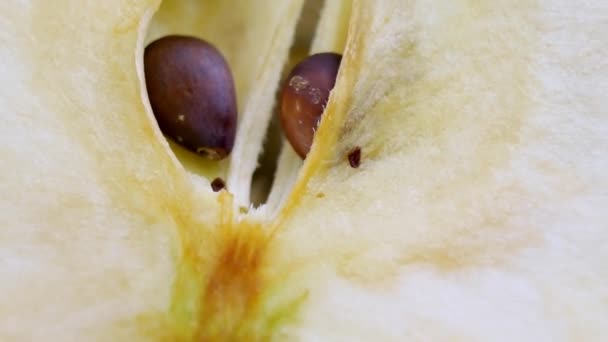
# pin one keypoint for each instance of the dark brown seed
(218, 184)
(354, 157)
(304, 97)
(192, 94)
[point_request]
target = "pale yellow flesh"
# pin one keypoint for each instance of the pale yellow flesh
(96, 205)
(478, 212)
(91, 201)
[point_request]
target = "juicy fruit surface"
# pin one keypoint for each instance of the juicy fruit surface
(476, 214)
(89, 228)
(97, 205)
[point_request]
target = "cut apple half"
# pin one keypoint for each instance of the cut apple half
(477, 211)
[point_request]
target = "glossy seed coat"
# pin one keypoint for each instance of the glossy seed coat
(304, 96)
(191, 91)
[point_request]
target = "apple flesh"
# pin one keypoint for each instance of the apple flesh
(477, 214)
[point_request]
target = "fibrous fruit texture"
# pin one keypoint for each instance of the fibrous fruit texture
(476, 210)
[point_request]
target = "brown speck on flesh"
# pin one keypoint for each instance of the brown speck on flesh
(354, 157)
(218, 184)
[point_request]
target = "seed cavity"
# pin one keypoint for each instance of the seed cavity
(218, 184)
(354, 157)
(192, 94)
(304, 97)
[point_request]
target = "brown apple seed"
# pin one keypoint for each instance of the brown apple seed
(192, 94)
(354, 157)
(218, 184)
(304, 96)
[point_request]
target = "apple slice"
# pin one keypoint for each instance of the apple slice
(95, 204)
(478, 209)
(476, 213)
